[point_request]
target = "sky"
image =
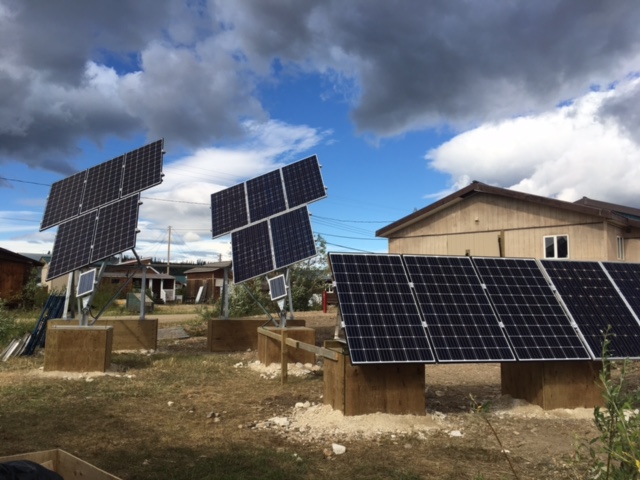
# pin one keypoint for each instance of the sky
(402, 101)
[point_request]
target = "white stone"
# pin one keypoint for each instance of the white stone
(280, 421)
(338, 449)
(170, 404)
(455, 433)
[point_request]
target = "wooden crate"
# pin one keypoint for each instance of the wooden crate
(128, 334)
(362, 389)
(570, 384)
(78, 349)
(64, 464)
(237, 334)
(269, 348)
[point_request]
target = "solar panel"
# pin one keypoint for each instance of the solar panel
(265, 196)
(116, 229)
(86, 283)
(64, 200)
(72, 246)
(626, 277)
(277, 287)
(103, 184)
(595, 305)
(458, 315)
(228, 210)
(292, 237)
(381, 320)
(533, 318)
(303, 182)
(251, 252)
(142, 168)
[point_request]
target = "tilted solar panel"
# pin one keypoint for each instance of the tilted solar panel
(459, 317)
(595, 305)
(626, 277)
(86, 283)
(292, 237)
(265, 196)
(277, 287)
(251, 252)
(64, 200)
(143, 168)
(104, 182)
(72, 246)
(116, 229)
(303, 182)
(381, 320)
(228, 210)
(533, 318)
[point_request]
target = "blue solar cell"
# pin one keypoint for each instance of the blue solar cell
(277, 287)
(382, 322)
(251, 252)
(64, 200)
(143, 168)
(596, 306)
(86, 282)
(303, 182)
(104, 182)
(72, 246)
(533, 318)
(459, 317)
(292, 237)
(265, 196)
(228, 210)
(116, 228)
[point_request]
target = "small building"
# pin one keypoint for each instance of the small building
(482, 220)
(15, 271)
(210, 277)
(161, 285)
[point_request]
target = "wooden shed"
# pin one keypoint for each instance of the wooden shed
(15, 270)
(210, 277)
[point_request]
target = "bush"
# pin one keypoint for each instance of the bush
(11, 327)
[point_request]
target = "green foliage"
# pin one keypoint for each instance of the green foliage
(10, 326)
(615, 453)
(308, 279)
(241, 303)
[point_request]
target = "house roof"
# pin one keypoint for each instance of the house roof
(16, 257)
(619, 214)
(210, 267)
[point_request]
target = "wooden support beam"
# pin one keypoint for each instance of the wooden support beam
(324, 352)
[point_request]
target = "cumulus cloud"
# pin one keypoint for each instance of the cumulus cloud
(191, 71)
(582, 149)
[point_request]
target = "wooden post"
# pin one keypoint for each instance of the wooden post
(283, 356)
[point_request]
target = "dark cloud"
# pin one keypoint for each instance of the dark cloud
(624, 109)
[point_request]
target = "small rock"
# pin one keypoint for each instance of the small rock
(211, 414)
(439, 393)
(455, 433)
(338, 449)
(170, 404)
(89, 379)
(280, 421)
(216, 420)
(327, 452)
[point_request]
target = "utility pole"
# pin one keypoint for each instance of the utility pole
(169, 252)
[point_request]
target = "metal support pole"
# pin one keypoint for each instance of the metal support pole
(67, 296)
(224, 311)
(290, 294)
(259, 304)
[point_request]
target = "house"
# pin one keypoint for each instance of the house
(210, 277)
(15, 271)
(482, 220)
(161, 285)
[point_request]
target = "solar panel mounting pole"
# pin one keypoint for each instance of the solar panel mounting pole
(143, 290)
(289, 294)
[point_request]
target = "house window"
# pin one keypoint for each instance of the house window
(556, 246)
(620, 242)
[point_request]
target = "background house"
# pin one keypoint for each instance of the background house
(482, 220)
(15, 270)
(211, 277)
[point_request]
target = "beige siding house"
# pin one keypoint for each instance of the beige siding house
(482, 220)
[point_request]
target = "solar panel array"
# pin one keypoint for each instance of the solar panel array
(272, 244)
(95, 236)
(105, 183)
(262, 197)
(467, 309)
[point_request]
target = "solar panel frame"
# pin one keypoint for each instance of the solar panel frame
(459, 317)
(292, 237)
(303, 182)
(251, 252)
(228, 210)
(277, 287)
(381, 319)
(534, 320)
(626, 278)
(86, 283)
(265, 196)
(65, 198)
(595, 303)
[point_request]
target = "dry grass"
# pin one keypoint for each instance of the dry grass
(126, 426)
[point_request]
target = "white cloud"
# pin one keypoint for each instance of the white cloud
(573, 151)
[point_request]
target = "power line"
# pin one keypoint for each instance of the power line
(174, 201)
(19, 219)
(351, 238)
(354, 221)
(25, 181)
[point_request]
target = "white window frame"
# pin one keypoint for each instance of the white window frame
(555, 246)
(620, 245)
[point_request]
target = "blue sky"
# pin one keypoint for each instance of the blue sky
(403, 102)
